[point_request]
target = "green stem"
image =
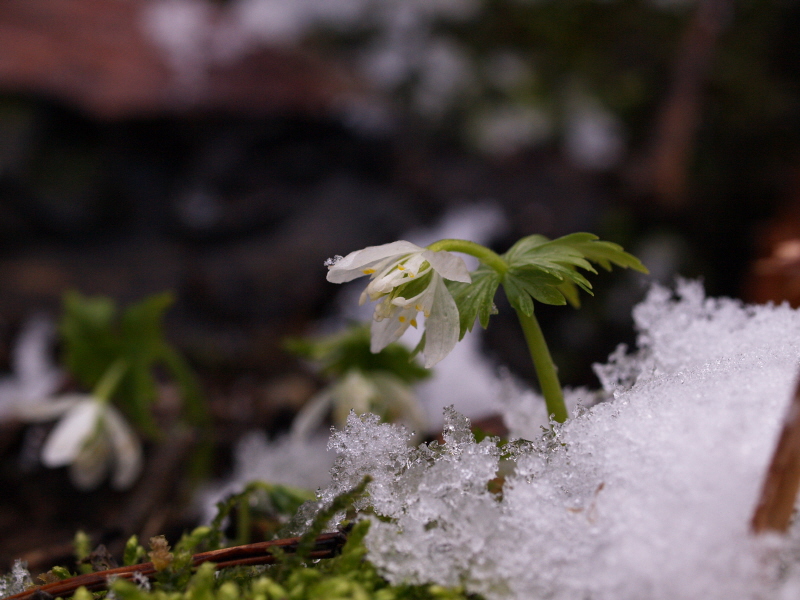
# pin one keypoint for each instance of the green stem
(108, 382)
(542, 362)
(243, 521)
(545, 369)
(483, 254)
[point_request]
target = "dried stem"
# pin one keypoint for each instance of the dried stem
(776, 504)
(326, 545)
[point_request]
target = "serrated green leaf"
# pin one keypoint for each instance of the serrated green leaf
(90, 344)
(485, 311)
(95, 338)
(570, 291)
(561, 258)
(524, 245)
(523, 285)
(607, 253)
(517, 296)
(476, 299)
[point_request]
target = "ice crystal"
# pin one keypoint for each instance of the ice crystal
(644, 496)
(18, 580)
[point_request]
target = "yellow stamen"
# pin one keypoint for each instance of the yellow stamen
(418, 307)
(368, 271)
(401, 319)
(413, 323)
(401, 268)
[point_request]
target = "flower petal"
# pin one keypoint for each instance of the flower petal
(354, 392)
(353, 265)
(127, 449)
(441, 327)
(389, 329)
(448, 265)
(91, 464)
(46, 410)
(71, 433)
(311, 415)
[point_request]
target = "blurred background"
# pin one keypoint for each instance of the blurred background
(222, 150)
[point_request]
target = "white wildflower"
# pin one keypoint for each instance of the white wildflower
(407, 279)
(381, 393)
(92, 437)
(35, 376)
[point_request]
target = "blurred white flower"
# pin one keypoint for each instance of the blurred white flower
(92, 437)
(35, 376)
(408, 279)
(504, 130)
(381, 393)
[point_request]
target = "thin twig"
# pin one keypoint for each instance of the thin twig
(326, 545)
(776, 504)
(664, 171)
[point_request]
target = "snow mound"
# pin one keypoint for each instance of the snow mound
(647, 495)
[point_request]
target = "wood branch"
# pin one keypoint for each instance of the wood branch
(778, 496)
(326, 545)
(665, 168)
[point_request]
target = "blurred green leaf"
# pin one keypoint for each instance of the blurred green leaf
(342, 352)
(95, 336)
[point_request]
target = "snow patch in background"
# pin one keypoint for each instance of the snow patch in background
(302, 464)
(647, 495)
(35, 374)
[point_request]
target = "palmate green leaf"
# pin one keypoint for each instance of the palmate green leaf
(95, 337)
(606, 253)
(560, 259)
(476, 299)
(523, 285)
(142, 341)
(517, 296)
(87, 330)
(553, 255)
(524, 245)
(583, 246)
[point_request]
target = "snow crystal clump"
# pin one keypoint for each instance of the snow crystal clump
(645, 496)
(18, 580)
(286, 461)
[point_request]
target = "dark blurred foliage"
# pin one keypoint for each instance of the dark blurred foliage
(233, 198)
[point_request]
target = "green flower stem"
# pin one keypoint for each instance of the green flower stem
(243, 521)
(545, 369)
(542, 362)
(483, 254)
(110, 379)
